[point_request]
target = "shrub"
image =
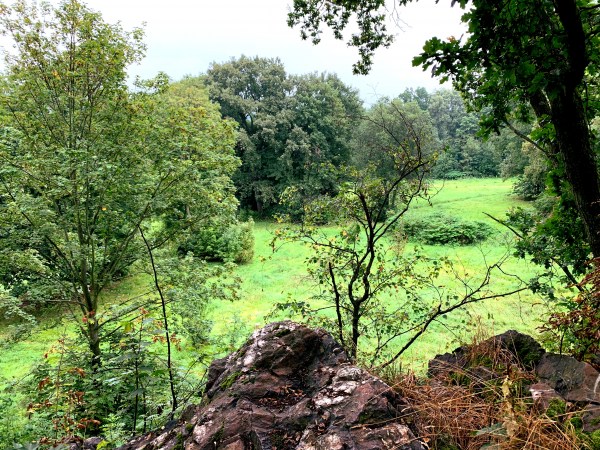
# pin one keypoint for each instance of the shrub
(453, 175)
(222, 242)
(442, 229)
(579, 325)
(238, 242)
(529, 188)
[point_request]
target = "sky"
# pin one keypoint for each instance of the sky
(184, 37)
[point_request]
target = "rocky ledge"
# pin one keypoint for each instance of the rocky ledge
(292, 387)
(289, 387)
(556, 376)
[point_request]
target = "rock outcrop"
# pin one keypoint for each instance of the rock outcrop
(289, 387)
(574, 381)
(558, 376)
(512, 346)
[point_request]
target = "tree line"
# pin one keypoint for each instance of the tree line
(294, 129)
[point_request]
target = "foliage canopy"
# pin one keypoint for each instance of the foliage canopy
(86, 164)
(293, 129)
(518, 56)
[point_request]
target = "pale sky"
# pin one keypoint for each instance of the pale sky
(184, 36)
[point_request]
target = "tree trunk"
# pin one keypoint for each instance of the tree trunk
(355, 332)
(574, 144)
(93, 335)
(571, 124)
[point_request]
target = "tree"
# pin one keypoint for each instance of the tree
(419, 95)
(292, 128)
(466, 153)
(518, 57)
(325, 112)
(354, 266)
(386, 126)
(182, 125)
(254, 92)
(95, 164)
(364, 278)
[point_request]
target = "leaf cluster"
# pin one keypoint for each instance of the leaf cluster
(291, 127)
(579, 324)
(310, 15)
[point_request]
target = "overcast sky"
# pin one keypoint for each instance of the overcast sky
(185, 36)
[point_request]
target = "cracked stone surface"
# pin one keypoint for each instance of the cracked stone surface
(558, 376)
(289, 387)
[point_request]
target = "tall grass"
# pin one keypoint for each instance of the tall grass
(274, 277)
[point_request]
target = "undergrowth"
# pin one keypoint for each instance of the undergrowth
(444, 229)
(487, 407)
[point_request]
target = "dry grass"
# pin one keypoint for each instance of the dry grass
(447, 415)
(533, 431)
(450, 416)
(482, 405)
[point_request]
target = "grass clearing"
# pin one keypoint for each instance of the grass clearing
(273, 277)
(470, 198)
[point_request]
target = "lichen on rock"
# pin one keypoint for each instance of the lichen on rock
(289, 387)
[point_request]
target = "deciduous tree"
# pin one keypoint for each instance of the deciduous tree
(93, 163)
(292, 128)
(379, 298)
(518, 56)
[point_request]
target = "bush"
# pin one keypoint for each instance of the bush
(529, 188)
(579, 325)
(238, 242)
(221, 242)
(441, 229)
(453, 175)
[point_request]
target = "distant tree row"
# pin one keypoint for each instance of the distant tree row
(291, 128)
(465, 153)
(294, 130)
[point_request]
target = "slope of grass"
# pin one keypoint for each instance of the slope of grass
(470, 198)
(272, 277)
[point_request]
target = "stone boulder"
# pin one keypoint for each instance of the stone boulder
(576, 382)
(542, 395)
(512, 346)
(558, 376)
(289, 387)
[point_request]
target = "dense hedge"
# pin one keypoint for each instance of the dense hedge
(231, 243)
(443, 229)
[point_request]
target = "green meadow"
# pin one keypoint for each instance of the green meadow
(273, 277)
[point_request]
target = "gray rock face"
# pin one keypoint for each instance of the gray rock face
(559, 376)
(542, 395)
(289, 387)
(576, 382)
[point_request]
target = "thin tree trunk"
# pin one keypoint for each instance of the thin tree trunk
(93, 335)
(355, 331)
(174, 403)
